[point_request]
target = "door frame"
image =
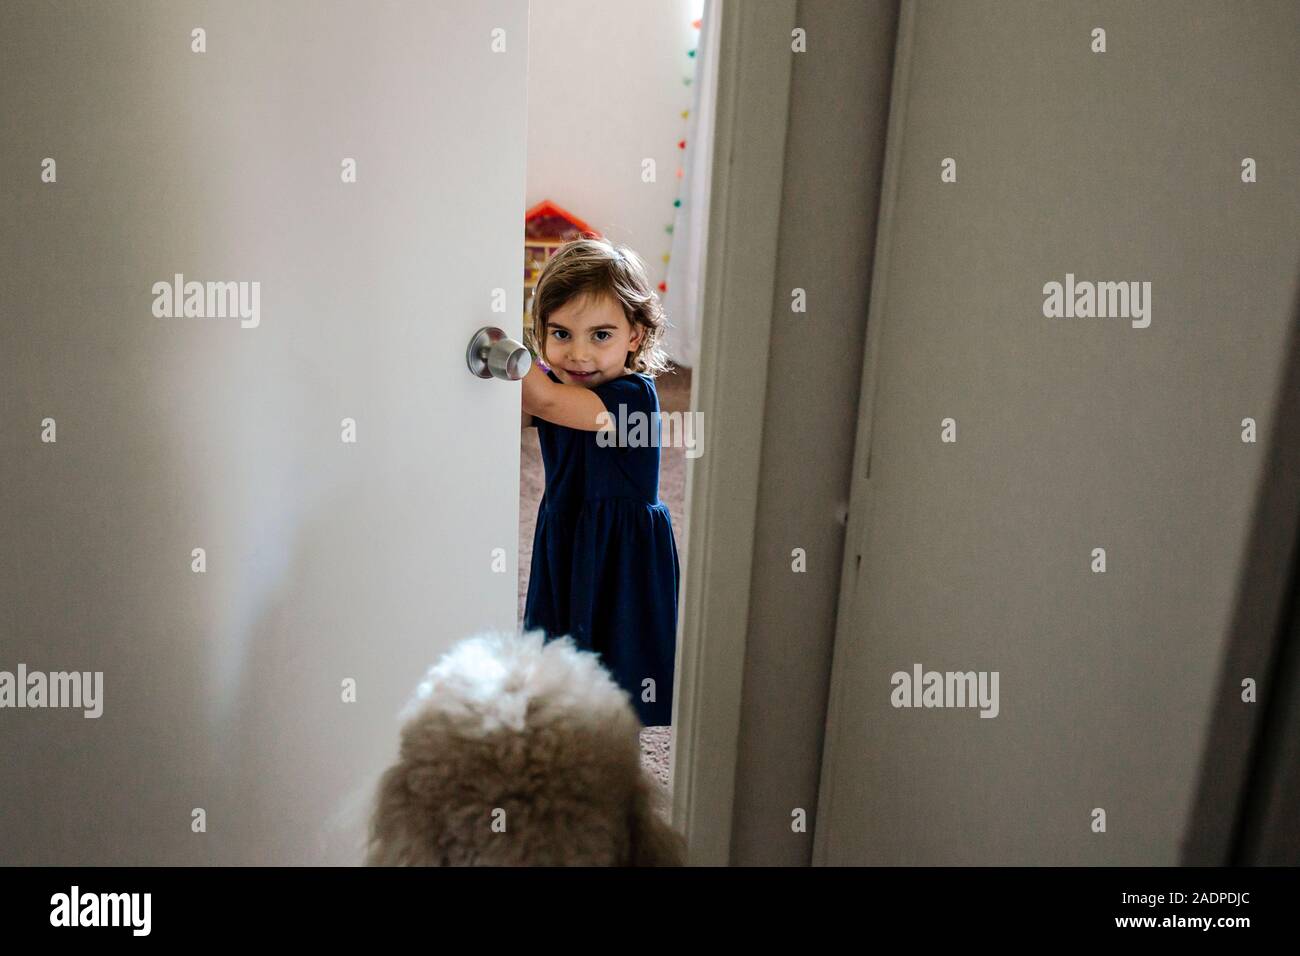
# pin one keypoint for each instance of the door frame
(729, 390)
(860, 492)
(1243, 805)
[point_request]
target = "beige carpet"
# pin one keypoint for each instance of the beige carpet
(674, 396)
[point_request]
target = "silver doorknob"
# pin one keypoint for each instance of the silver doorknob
(492, 355)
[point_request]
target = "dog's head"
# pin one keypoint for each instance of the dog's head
(520, 751)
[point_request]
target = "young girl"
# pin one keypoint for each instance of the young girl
(605, 568)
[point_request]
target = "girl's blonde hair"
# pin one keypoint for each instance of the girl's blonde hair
(592, 267)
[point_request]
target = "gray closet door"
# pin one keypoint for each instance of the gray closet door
(1074, 434)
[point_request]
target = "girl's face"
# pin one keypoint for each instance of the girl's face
(587, 340)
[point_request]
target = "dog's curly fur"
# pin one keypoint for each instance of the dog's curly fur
(518, 751)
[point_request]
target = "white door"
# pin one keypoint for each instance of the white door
(354, 490)
(1073, 436)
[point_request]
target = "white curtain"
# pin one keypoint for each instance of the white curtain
(683, 299)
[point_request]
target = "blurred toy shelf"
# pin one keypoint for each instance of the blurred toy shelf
(546, 228)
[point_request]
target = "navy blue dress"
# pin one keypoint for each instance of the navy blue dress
(605, 568)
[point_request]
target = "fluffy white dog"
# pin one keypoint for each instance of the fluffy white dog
(517, 751)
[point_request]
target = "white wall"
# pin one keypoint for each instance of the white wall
(605, 91)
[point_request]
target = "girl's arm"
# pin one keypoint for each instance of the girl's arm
(570, 405)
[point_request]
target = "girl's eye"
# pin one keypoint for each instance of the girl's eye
(561, 334)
